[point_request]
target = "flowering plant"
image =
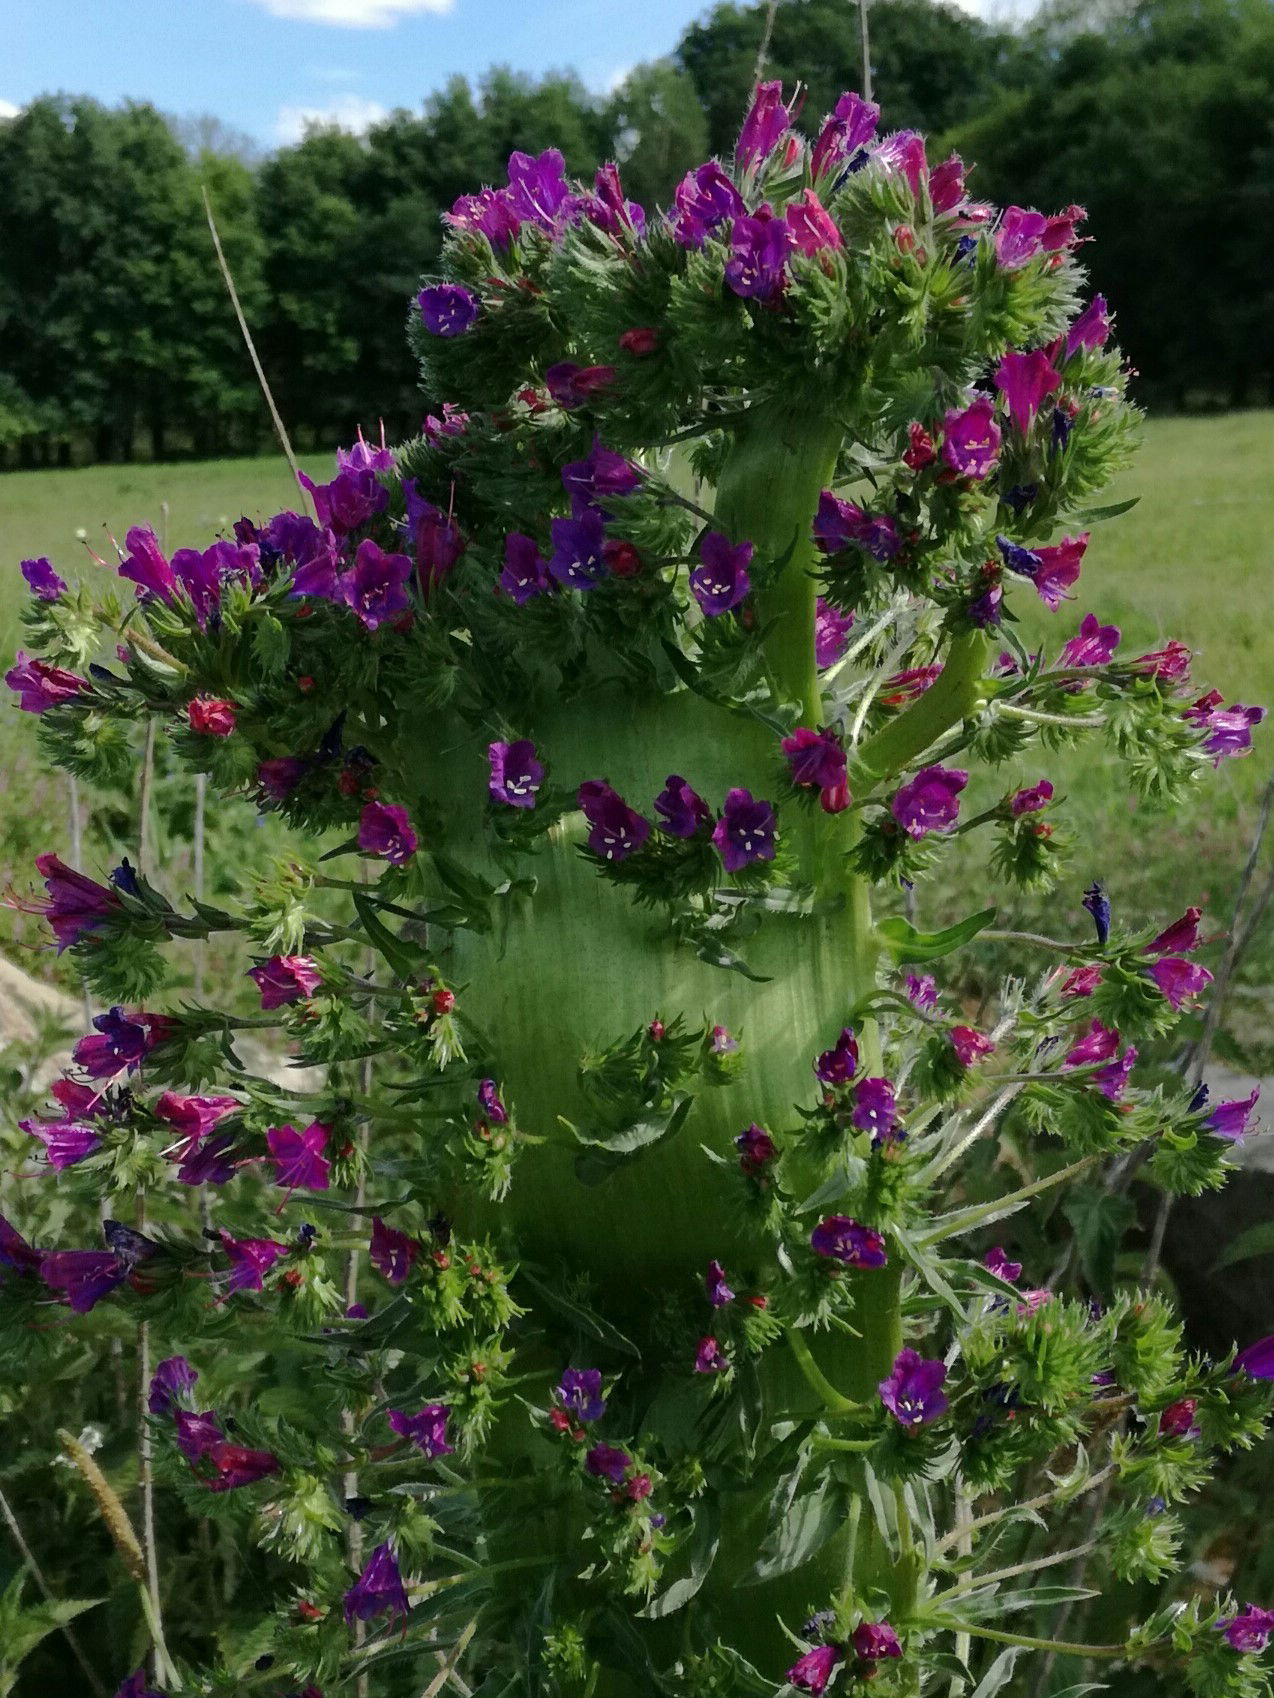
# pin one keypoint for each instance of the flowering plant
(661, 1348)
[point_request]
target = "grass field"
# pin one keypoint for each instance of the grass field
(1192, 560)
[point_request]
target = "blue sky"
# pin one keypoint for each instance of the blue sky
(262, 65)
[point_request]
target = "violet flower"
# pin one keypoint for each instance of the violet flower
(812, 1671)
(1058, 569)
(172, 1379)
(491, 1104)
(1232, 1120)
(844, 1240)
(1019, 236)
(135, 1687)
(1257, 1361)
(838, 1065)
(757, 267)
(196, 1433)
(437, 539)
(603, 473)
(1094, 646)
(997, 1262)
(1229, 729)
(922, 990)
(720, 581)
(391, 1252)
(299, 1160)
(704, 199)
(1025, 380)
(1091, 329)
(1032, 799)
(710, 1358)
(385, 829)
(1098, 905)
(39, 686)
(579, 1391)
(873, 1641)
(211, 1162)
(15, 1253)
(605, 1462)
(119, 1045)
(718, 1287)
(84, 1277)
(764, 127)
(904, 151)
(250, 1260)
(65, 1142)
(851, 127)
(76, 905)
(1112, 1080)
(1177, 979)
(817, 760)
(448, 309)
(278, 777)
(1249, 1631)
(427, 1429)
(538, 190)
(875, 1110)
(745, 832)
(578, 561)
(350, 500)
(1099, 1044)
(376, 588)
(284, 979)
(1168, 665)
(516, 774)
(839, 524)
(682, 811)
(42, 580)
(378, 1589)
(831, 634)
(616, 830)
(526, 572)
(913, 1392)
(971, 438)
(930, 801)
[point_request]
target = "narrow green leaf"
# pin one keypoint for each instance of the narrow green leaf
(799, 1535)
(405, 959)
(584, 1318)
(906, 944)
(1095, 515)
(1256, 1241)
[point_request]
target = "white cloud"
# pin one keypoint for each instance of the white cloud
(616, 79)
(8, 109)
(353, 14)
(349, 112)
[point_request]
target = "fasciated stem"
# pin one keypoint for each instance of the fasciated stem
(831, 1399)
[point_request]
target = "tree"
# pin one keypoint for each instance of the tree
(657, 130)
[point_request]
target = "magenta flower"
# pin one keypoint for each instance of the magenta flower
(970, 1046)
(83, 1277)
(1025, 380)
(1112, 1080)
(844, 135)
(721, 1042)
(718, 1287)
(1179, 938)
(913, 1392)
(946, 185)
(41, 579)
(1032, 799)
(838, 1065)
(1249, 1631)
(811, 1672)
(233, 1465)
(250, 1260)
(1257, 1361)
(1180, 1420)
(1229, 730)
(1178, 979)
(704, 199)
(378, 1589)
(616, 830)
(119, 1045)
(971, 439)
(816, 760)
(194, 1117)
(682, 811)
(831, 633)
(526, 572)
(299, 1160)
(1090, 329)
(873, 1641)
(764, 127)
(1168, 665)
(579, 1392)
(427, 1430)
(66, 1142)
(1058, 569)
(211, 1162)
(285, 978)
(489, 213)
(516, 775)
(845, 1240)
(839, 525)
(352, 498)
(491, 1104)
(1060, 230)
(76, 904)
(757, 267)
(145, 566)
(391, 1252)
(745, 832)
(279, 777)
(756, 1150)
(922, 991)
(1094, 646)
(1080, 981)
(605, 1462)
(15, 1253)
(604, 473)
(1019, 236)
(438, 544)
(453, 422)
(573, 385)
(710, 1358)
(720, 581)
(578, 561)
(811, 227)
(385, 829)
(172, 1379)
(537, 189)
(210, 716)
(1233, 1119)
(875, 1109)
(136, 1687)
(904, 151)
(998, 1263)
(376, 588)
(39, 686)
(447, 309)
(930, 801)
(607, 208)
(1099, 1044)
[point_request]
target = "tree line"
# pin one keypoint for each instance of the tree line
(117, 337)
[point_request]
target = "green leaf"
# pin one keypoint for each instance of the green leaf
(999, 1674)
(584, 1318)
(800, 1534)
(1256, 1241)
(405, 959)
(717, 955)
(686, 670)
(704, 1546)
(1095, 515)
(906, 944)
(1100, 1220)
(601, 1156)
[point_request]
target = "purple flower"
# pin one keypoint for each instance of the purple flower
(816, 760)
(604, 473)
(385, 829)
(718, 1287)
(119, 1045)
(76, 904)
(145, 566)
(1179, 938)
(526, 572)
(1229, 730)
(1257, 1361)
(811, 227)
(1094, 645)
(757, 266)
(172, 1379)
(812, 1671)
(845, 1240)
(721, 581)
(922, 992)
(1019, 237)
(135, 1687)
(437, 538)
(704, 199)
(250, 1260)
(580, 1392)
(970, 1046)
(1091, 328)
(947, 192)
(364, 456)
(211, 1162)
(998, 1263)
(971, 438)
(1097, 904)
(875, 1109)
(1099, 1044)
(350, 500)
(490, 213)
(1233, 1119)
(873, 1641)
(453, 422)
(83, 1276)
(1112, 1080)
(391, 1252)
(851, 127)
(839, 524)
(1249, 1630)
(605, 1462)
(831, 633)
(913, 1392)
(1032, 799)
(1058, 569)
(39, 686)
(721, 1043)
(234, 1465)
(616, 830)
(66, 1142)
(573, 385)
(279, 777)
(757, 1150)
(838, 1065)
(1024, 380)
(745, 832)
(491, 1105)
(764, 127)
(447, 309)
(1178, 979)
(426, 1430)
(578, 561)
(930, 801)
(378, 1589)
(376, 589)
(42, 580)
(682, 812)
(194, 1117)
(15, 1253)
(537, 189)
(285, 978)
(516, 775)
(299, 1160)
(607, 208)
(710, 1358)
